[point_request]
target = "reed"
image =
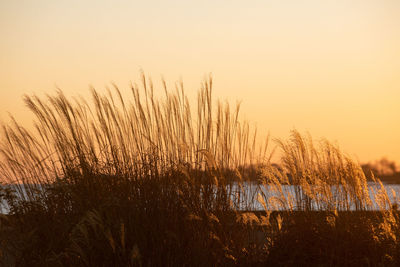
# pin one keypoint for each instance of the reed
(148, 180)
(323, 177)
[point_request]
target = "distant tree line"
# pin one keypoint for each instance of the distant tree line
(385, 169)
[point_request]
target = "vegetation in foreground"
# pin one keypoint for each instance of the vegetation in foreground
(148, 183)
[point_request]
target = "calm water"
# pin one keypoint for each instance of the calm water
(249, 192)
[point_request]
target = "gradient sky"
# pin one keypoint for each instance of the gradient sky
(328, 67)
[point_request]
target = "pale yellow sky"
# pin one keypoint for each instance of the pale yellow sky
(328, 67)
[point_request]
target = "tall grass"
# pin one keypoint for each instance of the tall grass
(324, 178)
(148, 180)
(109, 136)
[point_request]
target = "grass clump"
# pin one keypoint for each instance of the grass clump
(112, 182)
(149, 181)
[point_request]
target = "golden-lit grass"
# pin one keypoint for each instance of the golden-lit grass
(150, 181)
(325, 178)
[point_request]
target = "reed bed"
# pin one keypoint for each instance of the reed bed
(149, 181)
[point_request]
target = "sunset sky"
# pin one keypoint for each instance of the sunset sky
(328, 67)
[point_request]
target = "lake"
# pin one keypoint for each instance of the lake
(249, 192)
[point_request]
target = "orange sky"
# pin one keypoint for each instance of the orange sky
(328, 67)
